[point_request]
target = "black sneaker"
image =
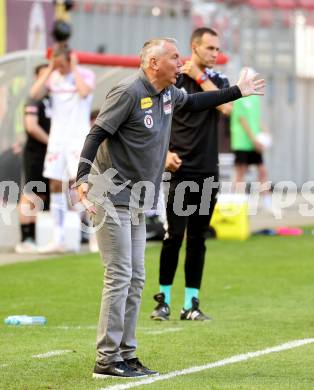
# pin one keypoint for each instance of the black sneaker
(194, 314)
(137, 366)
(115, 369)
(162, 310)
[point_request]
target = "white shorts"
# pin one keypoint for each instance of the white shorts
(61, 164)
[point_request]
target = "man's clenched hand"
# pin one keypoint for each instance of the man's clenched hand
(173, 162)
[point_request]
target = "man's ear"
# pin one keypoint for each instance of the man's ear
(154, 63)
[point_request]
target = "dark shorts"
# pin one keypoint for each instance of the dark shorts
(33, 170)
(247, 157)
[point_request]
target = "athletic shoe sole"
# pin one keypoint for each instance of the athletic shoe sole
(159, 318)
(103, 376)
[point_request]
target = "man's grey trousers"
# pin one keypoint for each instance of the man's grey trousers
(122, 250)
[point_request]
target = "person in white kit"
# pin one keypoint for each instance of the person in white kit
(70, 87)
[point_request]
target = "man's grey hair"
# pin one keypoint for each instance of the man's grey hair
(153, 48)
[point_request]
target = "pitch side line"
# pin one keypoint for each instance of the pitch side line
(74, 327)
(153, 332)
(219, 363)
(52, 353)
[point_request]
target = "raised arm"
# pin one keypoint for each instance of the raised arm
(83, 88)
(39, 89)
(246, 86)
(194, 72)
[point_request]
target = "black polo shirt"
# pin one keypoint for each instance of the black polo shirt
(194, 136)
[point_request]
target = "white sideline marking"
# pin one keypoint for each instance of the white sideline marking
(162, 331)
(52, 353)
(75, 327)
(219, 363)
(3, 365)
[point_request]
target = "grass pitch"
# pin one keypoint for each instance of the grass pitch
(260, 294)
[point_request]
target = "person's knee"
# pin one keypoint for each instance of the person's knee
(118, 275)
(138, 280)
(240, 170)
(196, 240)
(198, 230)
(262, 173)
(173, 240)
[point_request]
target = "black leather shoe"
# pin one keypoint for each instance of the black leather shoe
(137, 366)
(162, 310)
(115, 369)
(194, 314)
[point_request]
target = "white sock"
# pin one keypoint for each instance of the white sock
(267, 201)
(58, 209)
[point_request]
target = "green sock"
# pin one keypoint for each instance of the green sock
(189, 293)
(167, 291)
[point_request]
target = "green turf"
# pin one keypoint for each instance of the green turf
(260, 293)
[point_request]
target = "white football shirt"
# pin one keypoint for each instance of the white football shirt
(70, 119)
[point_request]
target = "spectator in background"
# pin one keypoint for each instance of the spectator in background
(37, 125)
(192, 156)
(70, 88)
(249, 138)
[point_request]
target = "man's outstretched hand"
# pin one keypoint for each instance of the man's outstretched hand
(249, 84)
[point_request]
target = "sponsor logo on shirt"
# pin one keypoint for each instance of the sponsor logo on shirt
(218, 78)
(148, 121)
(166, 97)
(146, 103)
(167, 108)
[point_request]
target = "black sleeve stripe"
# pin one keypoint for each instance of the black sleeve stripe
(201, 101)
(95, 137)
